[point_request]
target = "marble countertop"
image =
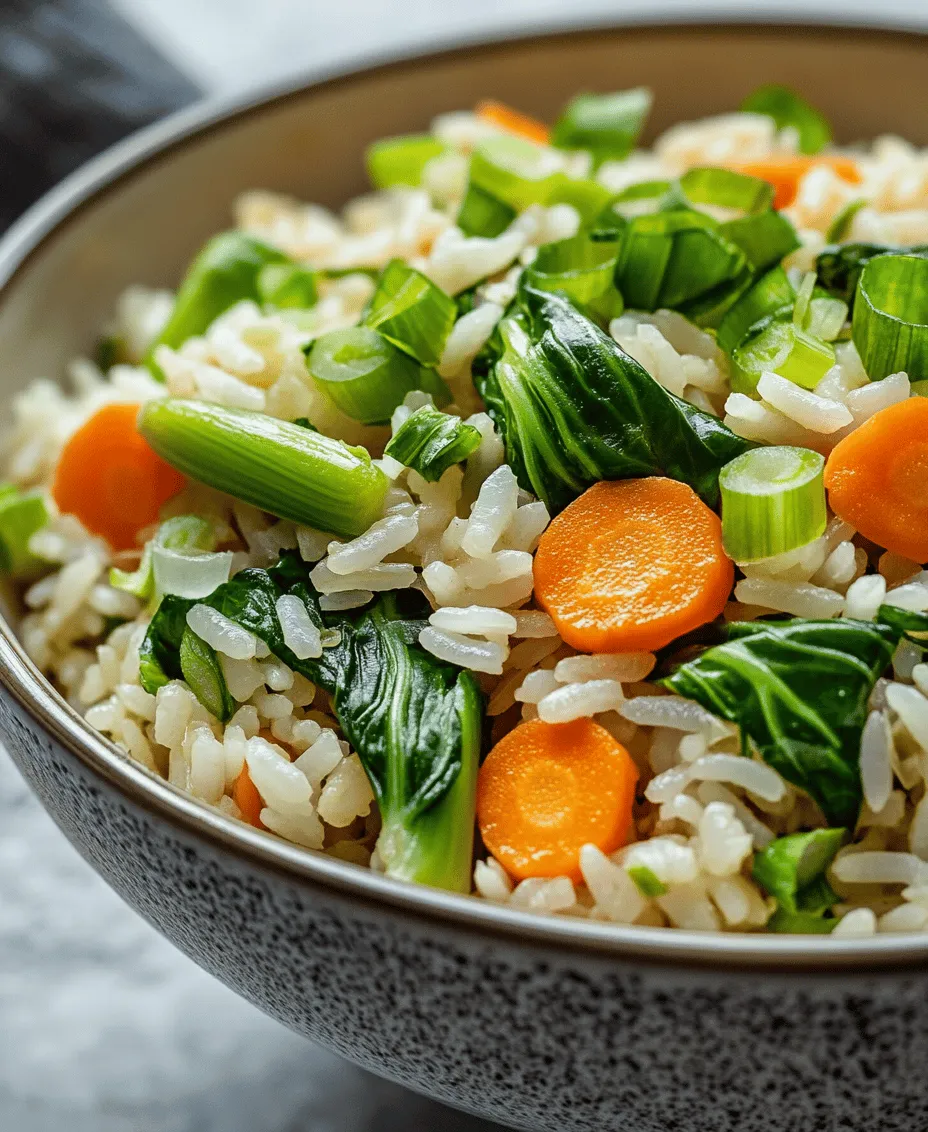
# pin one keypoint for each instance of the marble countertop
(104, 1027)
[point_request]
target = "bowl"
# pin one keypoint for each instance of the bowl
(542, 1023)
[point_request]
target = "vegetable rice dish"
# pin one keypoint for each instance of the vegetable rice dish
(549, 525)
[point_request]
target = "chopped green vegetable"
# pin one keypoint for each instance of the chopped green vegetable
(430, 442)
(573, 408)
(284, 469)
(646, 880)
(770, 297)
(890, 325)
(607, 125)
(182, 535)
(773, 500)
(482, 214)
(224, 272)
(287, 286)
(22, 514)
(764, 237)
(363, 373)
(111, 350)
(514, 170)
(588, 197)
(583, 269)
(841, 225)
(800, 923)
(726, 188)
(792, 869)
(839, 267)
(799, 689)
(401, 160)
(789, 110)
(781, 348)
(411, 312)
(200, 667)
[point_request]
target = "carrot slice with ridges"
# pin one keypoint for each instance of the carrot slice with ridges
(513, 121)
(785, 173)
(631, 565)
(111, 480)
(548, 789)
(877, 479)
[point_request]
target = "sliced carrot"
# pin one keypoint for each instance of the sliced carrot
(111, 480)
(513, 121)
(548, 789)
(246, 797)
(877, 479)
(785, 173)
(631, 565)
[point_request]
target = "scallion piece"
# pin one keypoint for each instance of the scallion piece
(825, 317)
(482, 214)
(21, 515)
(890, 325)
(411, 312)
(515, 171)
(201, 669)
(363, 373)
(588, 197)
(726, 188)
(772, 295)
(607, 125)
(787, 109)
(764, 237)
(287, 286)
(284, 469)
(785, 349)
(401, 160)
(840, 227)
(646, 880)
(584, 270)
(224, 272)
(803, 298)
(430, 442)
(773, 500)
(182, 535)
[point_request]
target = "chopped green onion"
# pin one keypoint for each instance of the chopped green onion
(482, 214)
(772, 295)
(411, 312)
(224, 272)
(140, 583)
(430, 442)
(607, 125)
(584, 270)
(787, 109)
(646, 880)
(201, 669)
(184, 534)
(840, 227)
(287, 286)
(726, 188)
(919, 388)
(773, 500)
(588, 197)
(193, 574)
(792, 869)
(890, 325)
(284, 469)
(21, 515)
(826, 317)
(401, 160)
(781, 348)
(803, 298)
(670, 258)
(801, 923)
(643, 191)
(764, 237)
(515, 171)
(709, 309)
(363, 373)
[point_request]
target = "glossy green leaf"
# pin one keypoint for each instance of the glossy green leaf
(22, 514)
(200, 667)
(788, 109)
(890, 324)
(608, 125)
(792, 869)
(482, 214)
(430, 442)
(584, 270)
(401, 160)
(726, 188)
(410, 311)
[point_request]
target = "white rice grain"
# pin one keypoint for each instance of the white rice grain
(905, 918)
(544, 894)
(616, 894)
(800, 599)
(301, 634)
(468, 337)
(386, 576)
(346, 795)
(624, 667)
(675, 712)
(757, 778)
(279, 782)
(492, 882)
(876, 773)
(534, 623)
(468, 652)
(856, 924)
(386, 536)
(724, 842)
(864, 597)
(207, 778)
(912, 708)
(877, 395)
(879, 867)
(493, 511)
(222, 634)
(802, 406)
(475, 620)
(574, 701)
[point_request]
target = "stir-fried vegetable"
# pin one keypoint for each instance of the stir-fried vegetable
(292, 472)
(875, 478)
(112, 479)
(546, 790)
(200, 667)
(770, 297)
(583, 269)
(891, 316)
(512, 121)
(430, 442)
(631, 565)
(22, 514)
(225, 272)
(607, 125)
(790, 111)
(782, 348)
(411, 312)
(483, 214)
(725, 188)
(573, 408)
(792, 869)
(786, 171)
(764, 237)
(799, 690)
(773, 500)
(401, 160)
(287, 286)
(178, 560)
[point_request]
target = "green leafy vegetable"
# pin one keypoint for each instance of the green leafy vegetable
(514, 170)
(482, 214)
(200, 667)
(771, 296)
(646, 880)
(839, 267)
(287, 286)
(22, 514)
(788, 109)
(401, 160)
(573, 409)
(890, 324)
(284, 469)
(411, 312)
(430, 442)
(841, 225)
(726, 188)
(764, 237)
(799, 689)
(607, 125)
(583, 269)
(792, 869)
(800, 923)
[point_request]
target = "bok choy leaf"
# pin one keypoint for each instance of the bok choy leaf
(789, 110)
(792, 869)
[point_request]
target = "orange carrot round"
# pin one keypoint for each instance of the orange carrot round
(548, 789)
(246, 797)
(785, 172)
(877, 478)
(631, 565)
(111, 480)
(513, 121)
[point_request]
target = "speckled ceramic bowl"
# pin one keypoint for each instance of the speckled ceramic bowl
(540, 1023)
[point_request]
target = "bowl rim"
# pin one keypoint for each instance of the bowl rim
(24, 683)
